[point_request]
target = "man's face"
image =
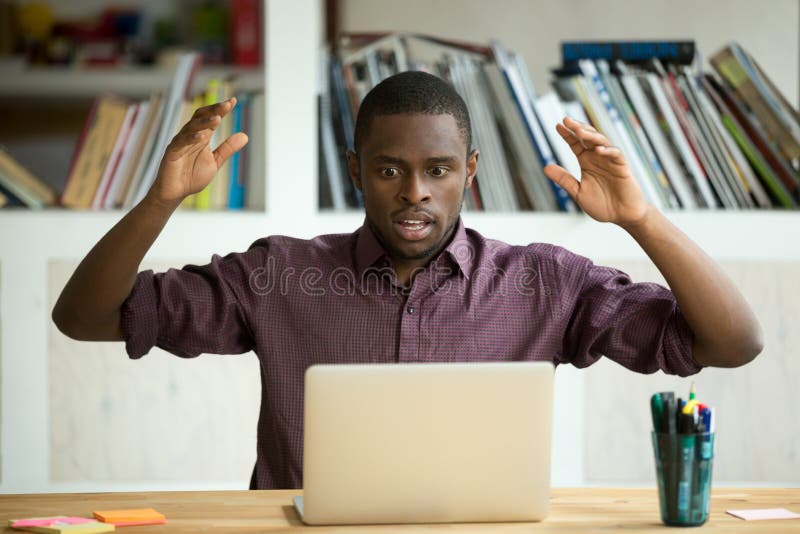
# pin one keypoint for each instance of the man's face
(413, 170)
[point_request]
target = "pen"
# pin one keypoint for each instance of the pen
(669, 451)
(666, 414)
(671, 410)
(687, 440)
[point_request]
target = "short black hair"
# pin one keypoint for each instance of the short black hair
(412, 92)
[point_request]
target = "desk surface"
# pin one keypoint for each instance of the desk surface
(571, 510)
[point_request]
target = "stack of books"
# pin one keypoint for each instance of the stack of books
(694, 140)
(117, 156)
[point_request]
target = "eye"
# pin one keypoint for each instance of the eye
(438, 171)
(389, 172)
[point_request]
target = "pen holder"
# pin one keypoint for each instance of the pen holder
(683, 470)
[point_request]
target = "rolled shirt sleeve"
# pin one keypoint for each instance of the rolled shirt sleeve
(638, 325)
(188, 311)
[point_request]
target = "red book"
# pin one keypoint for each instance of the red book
(246, 32)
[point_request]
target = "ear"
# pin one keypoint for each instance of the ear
(472, 167)
(354, 168)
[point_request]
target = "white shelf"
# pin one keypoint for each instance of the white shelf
(734, 236)
(68, 82)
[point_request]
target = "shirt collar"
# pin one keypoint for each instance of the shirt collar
(368, 250)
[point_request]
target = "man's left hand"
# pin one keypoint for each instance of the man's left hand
(607, 190)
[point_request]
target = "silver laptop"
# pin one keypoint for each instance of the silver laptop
(426, 443)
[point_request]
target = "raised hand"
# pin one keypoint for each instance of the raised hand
(607, 191)
(189, 164)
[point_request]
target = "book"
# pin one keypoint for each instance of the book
(736, 74)
(177, 93)
(142, 152)
(495, 178)
(114, 157)
(696, 176)
(255, 185)
(634, 87)
(129, 155)
(772, 183)
(681, 132)
(724, 168)
(211, 95)
(703, 166)
(23, 186)
(220, 185)
(611, 124)
(757, 138)
(637, 133)
(94, 151)
(338, 105)
(628, 51)
(11, 200)
(246, 34)
(329, 151)
(236, 182)
(539, 194)
(739, 161)
(524, 98)
(552, 111)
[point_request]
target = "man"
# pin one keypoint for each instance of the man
(412, 284)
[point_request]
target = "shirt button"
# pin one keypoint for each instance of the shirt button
(411, 310)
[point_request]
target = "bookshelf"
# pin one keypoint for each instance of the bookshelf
(30, 241)
(135, 82)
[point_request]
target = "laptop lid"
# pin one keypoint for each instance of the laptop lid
(427, 443)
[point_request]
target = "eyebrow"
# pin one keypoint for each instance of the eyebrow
(384, 158)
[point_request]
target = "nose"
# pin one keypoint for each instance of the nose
(414, 189)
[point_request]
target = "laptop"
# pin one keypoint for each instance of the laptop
(426, 443)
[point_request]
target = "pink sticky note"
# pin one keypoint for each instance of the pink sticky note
(50, 521)
(766, 513)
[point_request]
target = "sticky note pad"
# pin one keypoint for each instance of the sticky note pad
(766, 513)
(61, 523)
(125, 518)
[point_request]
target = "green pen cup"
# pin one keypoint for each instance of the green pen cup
(683, 472)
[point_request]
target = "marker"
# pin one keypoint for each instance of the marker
(672, 422)
(685, 475)
(692, 392)
(657, 411)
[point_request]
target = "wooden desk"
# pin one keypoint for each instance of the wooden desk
(572, 510)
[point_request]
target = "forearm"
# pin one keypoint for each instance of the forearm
(89, 305)
(727, 333)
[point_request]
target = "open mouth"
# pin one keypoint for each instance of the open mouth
(413, 229)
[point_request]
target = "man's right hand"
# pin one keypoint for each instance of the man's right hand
(189, 164)
(89, 307)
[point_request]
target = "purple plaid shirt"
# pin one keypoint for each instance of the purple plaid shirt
(335, 299)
